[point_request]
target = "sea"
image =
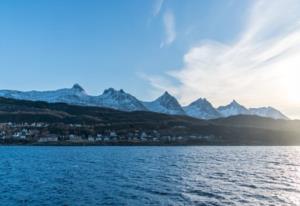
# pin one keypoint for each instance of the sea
(190, 175)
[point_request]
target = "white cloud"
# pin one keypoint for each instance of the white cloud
(169, 26)
(157, 7)
(262, 67)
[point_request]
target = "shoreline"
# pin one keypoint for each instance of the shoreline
(147, 145)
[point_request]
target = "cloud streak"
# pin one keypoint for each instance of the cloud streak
(157, 7)
(260, 68)
(169, 26)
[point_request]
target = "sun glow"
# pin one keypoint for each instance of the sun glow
(291, 79)
(293, 88)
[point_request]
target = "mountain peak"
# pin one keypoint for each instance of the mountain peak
(234, 108)
(78, 87)
(167, 104)
(202, 109)
(166, 96)
(166, 93)
(200, 101)
(114, 91)
(119, 99)
(109, 91)
(234, 102)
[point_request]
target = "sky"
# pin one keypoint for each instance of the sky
(216, 49)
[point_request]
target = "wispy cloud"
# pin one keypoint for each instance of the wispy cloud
(169, 26)
(157, 7)
(260, 68)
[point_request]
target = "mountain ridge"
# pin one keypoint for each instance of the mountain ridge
(120, 100)
(166, 104)
(202, 108)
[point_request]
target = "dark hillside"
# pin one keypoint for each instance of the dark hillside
(237, 130)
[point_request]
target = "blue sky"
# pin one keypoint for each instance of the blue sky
(146, 47)
(50, 44)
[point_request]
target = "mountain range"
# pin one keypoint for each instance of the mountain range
(120, 100)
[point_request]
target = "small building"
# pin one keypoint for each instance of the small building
(113, 134)
(106, 139)
(155, 139)
(98, 138)
(143, 136)
(16, 135)
(75, 138)
(91, 139)
(48, 138)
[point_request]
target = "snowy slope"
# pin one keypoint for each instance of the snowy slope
(75, 95)
(233, 109)
(120, 100)
(267, 112)
(166, 104)
(202, 109)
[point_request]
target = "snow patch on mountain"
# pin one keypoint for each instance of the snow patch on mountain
(166, 104)
(267, 112)
(120, 100)
(232, 109)
(75, 95)
(202, 109)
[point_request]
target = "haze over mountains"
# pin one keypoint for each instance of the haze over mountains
(120, 100)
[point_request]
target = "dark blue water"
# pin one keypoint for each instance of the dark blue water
(149, 176)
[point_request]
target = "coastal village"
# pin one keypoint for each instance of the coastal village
(40, 133)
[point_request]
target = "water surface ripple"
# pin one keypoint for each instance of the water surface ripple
(149, 176)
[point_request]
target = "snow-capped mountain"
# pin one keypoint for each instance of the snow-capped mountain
(235, 108)
(202, 109)
(166, 104)
(267, 112)
(120, 100)
(75, 95)
(232, 109)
